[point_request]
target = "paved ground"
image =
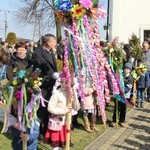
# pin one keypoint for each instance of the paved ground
(135, 137)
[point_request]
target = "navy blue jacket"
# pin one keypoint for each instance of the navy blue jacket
(33, 138)
(143, 81)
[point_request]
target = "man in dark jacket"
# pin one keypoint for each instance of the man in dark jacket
(146, 59)
(44, 59)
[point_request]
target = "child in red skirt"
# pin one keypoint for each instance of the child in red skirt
(58, 108)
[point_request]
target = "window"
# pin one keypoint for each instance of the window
(146, 35)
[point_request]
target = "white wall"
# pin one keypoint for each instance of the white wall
(127, 17)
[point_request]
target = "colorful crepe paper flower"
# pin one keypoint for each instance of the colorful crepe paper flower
(14, 82)
(21, 73)
(86, 3)
(63, 5)
(78, 11)
(18, 95)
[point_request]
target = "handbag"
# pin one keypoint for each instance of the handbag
(55, 123)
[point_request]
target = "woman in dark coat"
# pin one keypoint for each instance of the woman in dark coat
(18, 59)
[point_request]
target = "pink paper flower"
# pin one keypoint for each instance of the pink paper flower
(86, 3)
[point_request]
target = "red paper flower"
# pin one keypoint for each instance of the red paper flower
(18, 95)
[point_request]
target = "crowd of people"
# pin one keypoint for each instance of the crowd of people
(44, 58)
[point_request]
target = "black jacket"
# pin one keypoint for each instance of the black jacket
(46, 62)
(16, 62)
(128, 82)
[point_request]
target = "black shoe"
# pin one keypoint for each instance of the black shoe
(71, 144)
(77, 125)
(41, 137)
(107, 105)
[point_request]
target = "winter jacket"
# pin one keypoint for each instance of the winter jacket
(88, 102)
(143, 81)
(146, 59)
(128, 83)
(46, 62)
(57, 103)
(148, 79)
(16, 62)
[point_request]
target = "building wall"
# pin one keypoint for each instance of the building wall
(127, 17)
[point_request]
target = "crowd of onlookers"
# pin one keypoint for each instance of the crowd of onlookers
(136, 88)
(25, 54)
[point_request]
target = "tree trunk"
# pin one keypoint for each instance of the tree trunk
(58, 30)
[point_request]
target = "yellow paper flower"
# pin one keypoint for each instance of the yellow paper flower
(36, 82)
(39, 79)
(78, 11)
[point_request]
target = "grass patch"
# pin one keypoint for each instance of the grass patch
(80, 137)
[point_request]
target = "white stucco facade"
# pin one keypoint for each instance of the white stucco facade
(127, 17)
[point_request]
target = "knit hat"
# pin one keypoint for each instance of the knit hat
(128, 65)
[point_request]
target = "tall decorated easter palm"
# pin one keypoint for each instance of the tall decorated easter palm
(136, 52)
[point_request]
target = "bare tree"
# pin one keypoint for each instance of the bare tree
(40, 13)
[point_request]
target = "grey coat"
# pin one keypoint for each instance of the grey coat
(146, 58)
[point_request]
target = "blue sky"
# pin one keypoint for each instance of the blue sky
(25, 30)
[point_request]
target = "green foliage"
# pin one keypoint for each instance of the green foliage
(59, 65)
(95, 3)
(136, 50)
(115, 53)
(11, 38)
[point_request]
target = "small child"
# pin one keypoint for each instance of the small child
(142, 84)
(128, 81)
(30, 136)
(58, 108)
(88, 108)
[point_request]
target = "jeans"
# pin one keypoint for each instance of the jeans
(140, 95)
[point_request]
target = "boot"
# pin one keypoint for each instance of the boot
(138, 103)
(86, 125)
(92, 123)
(75, 122)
